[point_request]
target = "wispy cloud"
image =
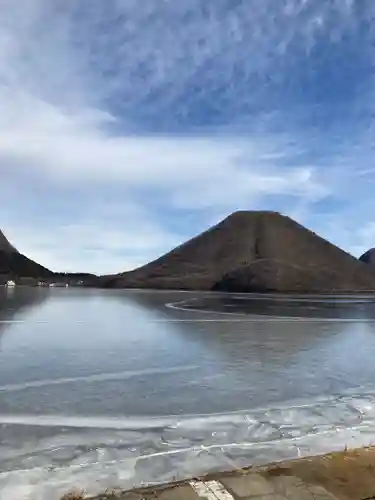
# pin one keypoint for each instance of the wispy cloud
(126, 127)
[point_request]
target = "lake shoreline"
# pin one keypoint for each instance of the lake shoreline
(343, 475)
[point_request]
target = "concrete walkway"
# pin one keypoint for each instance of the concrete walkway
(251, 486)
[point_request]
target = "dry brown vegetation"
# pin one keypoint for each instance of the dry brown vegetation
(348, 474)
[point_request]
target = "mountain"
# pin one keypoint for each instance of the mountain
(84, 279)
(252, 251)
(368, 257)
(5, 245)
(13, 264)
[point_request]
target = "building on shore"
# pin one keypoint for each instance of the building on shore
(58, 284)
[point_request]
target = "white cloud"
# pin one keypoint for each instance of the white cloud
(248, 186)
(122, 238)
(36, 136)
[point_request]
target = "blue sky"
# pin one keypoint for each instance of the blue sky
(128, 126)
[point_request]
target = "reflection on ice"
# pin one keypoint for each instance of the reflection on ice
(96, 453)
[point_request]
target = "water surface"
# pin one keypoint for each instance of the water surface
(124, 387)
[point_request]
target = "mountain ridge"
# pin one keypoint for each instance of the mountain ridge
(5, 244)
(14, 264)
(273, 252)
(368, 257)
(248, 251)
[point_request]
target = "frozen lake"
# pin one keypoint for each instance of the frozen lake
(119, 388)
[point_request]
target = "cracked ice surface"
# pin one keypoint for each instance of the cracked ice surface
(42, 457)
